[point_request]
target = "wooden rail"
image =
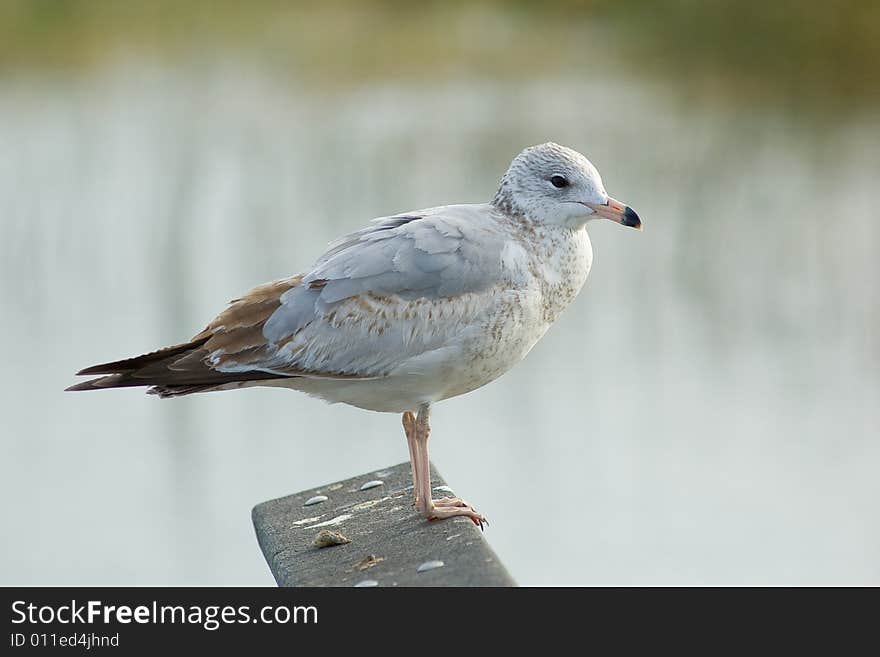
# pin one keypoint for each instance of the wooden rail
(390, 544)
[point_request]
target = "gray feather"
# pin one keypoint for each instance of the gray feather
(430, 255)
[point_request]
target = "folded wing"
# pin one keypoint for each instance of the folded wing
(401, 287)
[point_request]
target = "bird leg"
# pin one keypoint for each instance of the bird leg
(447, 507)
(409, 428)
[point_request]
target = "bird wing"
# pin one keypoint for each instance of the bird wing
(404, 286)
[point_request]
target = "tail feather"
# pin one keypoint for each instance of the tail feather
(170, 372)
(166, 392)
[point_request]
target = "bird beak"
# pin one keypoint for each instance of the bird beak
(617, 211)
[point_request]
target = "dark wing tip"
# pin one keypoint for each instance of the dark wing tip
(127, 365)
(91, 384)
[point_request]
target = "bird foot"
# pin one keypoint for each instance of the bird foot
(446, 501)
(451, 507)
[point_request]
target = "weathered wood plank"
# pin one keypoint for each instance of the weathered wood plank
(384, 530)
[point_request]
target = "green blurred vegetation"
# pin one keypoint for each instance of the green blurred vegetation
(827, 51)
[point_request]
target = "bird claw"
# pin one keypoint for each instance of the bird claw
(451, 507)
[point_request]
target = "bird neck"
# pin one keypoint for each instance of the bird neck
(504, 202)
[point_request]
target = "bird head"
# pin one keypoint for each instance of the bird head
(550, 183)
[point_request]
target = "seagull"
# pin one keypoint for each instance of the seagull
(414, 309)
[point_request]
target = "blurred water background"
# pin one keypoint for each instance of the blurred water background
(705, 413)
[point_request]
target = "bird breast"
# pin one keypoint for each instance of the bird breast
(561, 265)
(555, 266)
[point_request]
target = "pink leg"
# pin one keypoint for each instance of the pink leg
(409, 427)
(448, 507)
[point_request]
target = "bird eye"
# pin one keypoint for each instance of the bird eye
(559, 181)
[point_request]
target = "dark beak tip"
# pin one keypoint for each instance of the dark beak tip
(631, 219)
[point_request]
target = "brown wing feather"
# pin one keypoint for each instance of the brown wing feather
(132, 364)
(181, 369)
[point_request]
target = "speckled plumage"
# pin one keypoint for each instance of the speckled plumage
(400, 352)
